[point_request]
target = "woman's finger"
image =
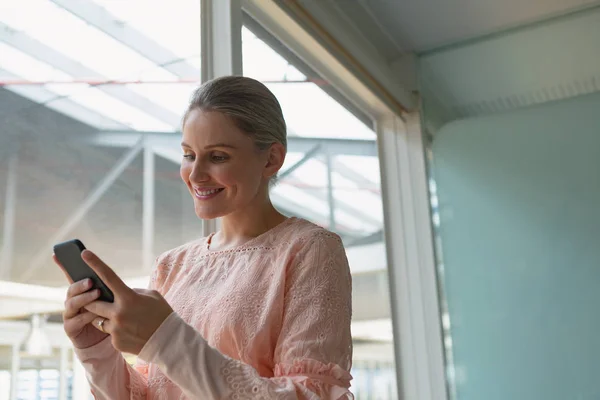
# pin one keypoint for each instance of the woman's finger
(77, 323)
(74, 304)
(102, 308)
(103, 324)
(108, 276)
(79, 287)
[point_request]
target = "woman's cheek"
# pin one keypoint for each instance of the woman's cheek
(184, 171)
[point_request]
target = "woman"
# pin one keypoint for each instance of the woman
(259, 310)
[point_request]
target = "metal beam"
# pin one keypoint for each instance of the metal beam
(296, 144)
(148, 209)
(99, 17)
(296, 209)
(334, 146)
(343, 206)
(283, 204)
(10, 208)
(374, 237)
(351, 174)
(56, 59)
(42, 255)
(330, 196)
(174, 154)
(45, 98)
(307, 156)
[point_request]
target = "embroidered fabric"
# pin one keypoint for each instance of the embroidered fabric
(316, 308)
(276, 310)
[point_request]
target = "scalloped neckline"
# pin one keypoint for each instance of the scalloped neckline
(250, 242)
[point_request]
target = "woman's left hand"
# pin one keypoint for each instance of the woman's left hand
(135, 314)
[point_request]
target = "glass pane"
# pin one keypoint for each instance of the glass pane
(337, 187)
(74, 100)
(514, 161)
(80, 81)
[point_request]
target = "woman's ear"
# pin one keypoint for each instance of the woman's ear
(275, 159)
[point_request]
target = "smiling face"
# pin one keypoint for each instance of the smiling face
(222, 167)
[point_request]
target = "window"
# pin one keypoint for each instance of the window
(331, 177)
(80, 81)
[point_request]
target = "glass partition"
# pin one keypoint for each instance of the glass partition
(514, 158)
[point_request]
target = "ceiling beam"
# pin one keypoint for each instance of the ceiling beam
(42, 97)
(307, 156)
(167, 145)
(99, 17)
(47, 55)
(353, 175)
(296, 144)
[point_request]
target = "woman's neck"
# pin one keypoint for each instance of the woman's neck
(238, 228)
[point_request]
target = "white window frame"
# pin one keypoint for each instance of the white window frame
(221, 51)
(409, 241)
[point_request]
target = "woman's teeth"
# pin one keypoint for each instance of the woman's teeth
(207, 192)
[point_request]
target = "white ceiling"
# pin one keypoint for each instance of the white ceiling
(548, 62)
(396, 26)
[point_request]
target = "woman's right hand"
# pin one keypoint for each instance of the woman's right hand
(77, 320)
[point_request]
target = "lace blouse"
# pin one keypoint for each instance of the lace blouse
(266, 320)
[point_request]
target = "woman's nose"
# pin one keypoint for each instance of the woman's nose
(199, 172)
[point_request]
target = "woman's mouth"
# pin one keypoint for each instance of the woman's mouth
(206, 194)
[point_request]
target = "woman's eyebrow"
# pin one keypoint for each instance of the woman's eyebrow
(211, 146)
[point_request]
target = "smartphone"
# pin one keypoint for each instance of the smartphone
(69, 255)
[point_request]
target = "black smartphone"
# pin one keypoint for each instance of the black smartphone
(69, 255)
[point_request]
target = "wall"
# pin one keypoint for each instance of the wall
(520, 227)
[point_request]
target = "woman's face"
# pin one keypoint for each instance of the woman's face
(221, 166)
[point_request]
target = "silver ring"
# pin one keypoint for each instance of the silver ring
(101, 325)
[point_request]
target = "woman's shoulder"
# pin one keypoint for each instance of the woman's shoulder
(302, 233)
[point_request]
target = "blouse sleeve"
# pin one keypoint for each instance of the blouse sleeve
(109, 374)
(312, 356)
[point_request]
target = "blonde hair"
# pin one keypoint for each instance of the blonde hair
(250, 104)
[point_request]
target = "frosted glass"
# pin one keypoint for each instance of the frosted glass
(519, 228)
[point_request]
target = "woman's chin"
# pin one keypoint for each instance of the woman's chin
(210, 214)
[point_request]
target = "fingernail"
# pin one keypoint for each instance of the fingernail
(88, 283)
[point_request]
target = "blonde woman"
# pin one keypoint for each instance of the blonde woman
(258, 310)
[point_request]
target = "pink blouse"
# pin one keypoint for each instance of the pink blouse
(266, 320)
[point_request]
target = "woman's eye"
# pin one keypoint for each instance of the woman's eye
(219, 158)
(188, 156)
